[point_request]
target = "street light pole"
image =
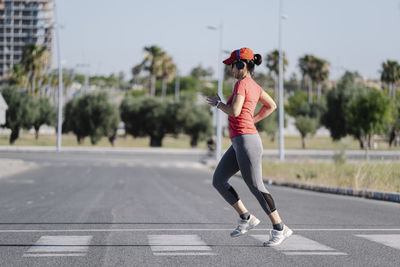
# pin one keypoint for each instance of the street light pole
(60, 82)
(281, 115)
(218, 147)
(218, 113)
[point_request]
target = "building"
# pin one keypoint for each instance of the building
(23, 22)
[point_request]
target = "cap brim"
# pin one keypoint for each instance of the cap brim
(229, 61)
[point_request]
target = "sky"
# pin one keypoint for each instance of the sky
(109, 36)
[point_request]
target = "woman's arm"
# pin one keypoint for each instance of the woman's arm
(233, 109)
(268, 107)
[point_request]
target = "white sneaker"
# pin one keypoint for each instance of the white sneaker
(245, 225)
(277, 237)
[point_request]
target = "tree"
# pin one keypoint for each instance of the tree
(269, 125)
(307, 115)
(91, 115)
(394, 126)
(166, 73)
(33, 60)
(295, 101)
(149, 116)
(319, 74)
(306, 125)
(152, 63)
(390, 74)
(292, 84)
(305, 65)
(201, 73)
(21, 111)
(338, 99)
(47, 114)
(368, 114)
(197, 121)
(265, 80)
(272, 64)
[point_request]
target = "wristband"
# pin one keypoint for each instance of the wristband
(217, 103)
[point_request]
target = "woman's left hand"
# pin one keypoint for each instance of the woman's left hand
(213, 99)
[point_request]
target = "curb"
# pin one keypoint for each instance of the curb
(377, 195)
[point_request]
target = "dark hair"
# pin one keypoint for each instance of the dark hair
(251, 63)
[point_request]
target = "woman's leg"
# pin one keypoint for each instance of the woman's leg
(226, 168)
(249, 151)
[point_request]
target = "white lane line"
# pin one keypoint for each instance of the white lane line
(326, 253)
(392, 241)
(178, 229)
(54, 245)
(182, 244)
(54, 255)
(184, 254)
(300, 245)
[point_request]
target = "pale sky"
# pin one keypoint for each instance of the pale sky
(355, 35)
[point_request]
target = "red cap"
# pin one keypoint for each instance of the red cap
(242, 53)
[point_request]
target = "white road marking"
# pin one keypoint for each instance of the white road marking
(54, 245)
(182, 244)
(300, 245)
(180, 165)
(184, 254)
(392, 241)
(179, 229)
(326, 253)
(55, 255)
(164, 165)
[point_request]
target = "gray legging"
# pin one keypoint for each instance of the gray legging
(245, 155)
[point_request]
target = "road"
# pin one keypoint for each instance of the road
(153, 209)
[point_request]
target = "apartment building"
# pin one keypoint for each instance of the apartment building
(23, 22)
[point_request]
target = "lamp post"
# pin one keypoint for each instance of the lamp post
(218, 146)
(280, 105)
(60, 82)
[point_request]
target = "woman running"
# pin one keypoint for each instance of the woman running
(245, 153)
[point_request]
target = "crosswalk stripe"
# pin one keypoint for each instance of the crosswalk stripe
(163, 245)
(390, 240)
(300, 245)
(54, 245)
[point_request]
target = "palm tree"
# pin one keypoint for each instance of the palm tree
(273, 66)
(390, 74)
(151, 63)
(305, 65)
(320, 73)
(167, 72)
(33, 61)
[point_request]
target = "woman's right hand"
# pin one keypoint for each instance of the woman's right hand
(212, 100)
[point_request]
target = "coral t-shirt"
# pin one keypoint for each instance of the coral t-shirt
(244, 123)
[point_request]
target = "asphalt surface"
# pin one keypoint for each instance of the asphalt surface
(152, 209)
